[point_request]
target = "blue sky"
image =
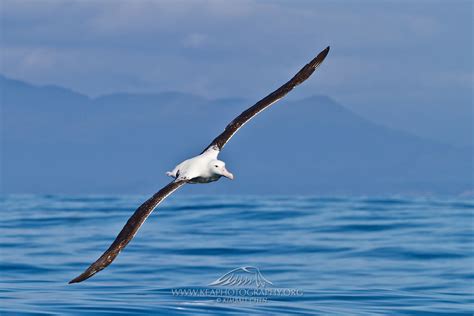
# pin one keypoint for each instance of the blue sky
(405, 64)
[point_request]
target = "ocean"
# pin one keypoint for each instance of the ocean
(315, 255)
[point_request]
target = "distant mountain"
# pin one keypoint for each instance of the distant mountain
(55, 140)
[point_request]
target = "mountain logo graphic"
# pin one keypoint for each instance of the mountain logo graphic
(243, 276)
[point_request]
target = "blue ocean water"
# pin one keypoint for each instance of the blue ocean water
(328, 256)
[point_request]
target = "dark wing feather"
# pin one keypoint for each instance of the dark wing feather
(128, 231)
(219, 142)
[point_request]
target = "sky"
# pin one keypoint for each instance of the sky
(404, 64)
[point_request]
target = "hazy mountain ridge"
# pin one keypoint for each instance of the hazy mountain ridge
(59, 141)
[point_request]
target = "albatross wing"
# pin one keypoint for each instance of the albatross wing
(219, 142)
(141, 214)
(128, 231)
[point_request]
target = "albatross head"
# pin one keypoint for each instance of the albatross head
(218, 168)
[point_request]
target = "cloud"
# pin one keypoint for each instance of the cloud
(195, 40)
(229, 48)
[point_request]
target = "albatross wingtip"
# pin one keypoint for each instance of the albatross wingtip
(77, 280)
(325, 51)
(82, 277)
(317, 60)
(73, 281)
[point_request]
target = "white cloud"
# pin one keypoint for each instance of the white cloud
(258, 43)
(195, 40)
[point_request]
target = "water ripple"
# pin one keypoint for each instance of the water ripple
(357, 256)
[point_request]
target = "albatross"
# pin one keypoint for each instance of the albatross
(203, 168)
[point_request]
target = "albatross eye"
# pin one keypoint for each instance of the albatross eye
(216, 166)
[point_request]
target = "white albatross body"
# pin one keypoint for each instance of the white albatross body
(203, 168)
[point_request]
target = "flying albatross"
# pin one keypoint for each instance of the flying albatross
(203, 168)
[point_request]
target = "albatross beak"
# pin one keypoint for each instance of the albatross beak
(227, 174)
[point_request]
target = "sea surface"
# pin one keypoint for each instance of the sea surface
(327, 256)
